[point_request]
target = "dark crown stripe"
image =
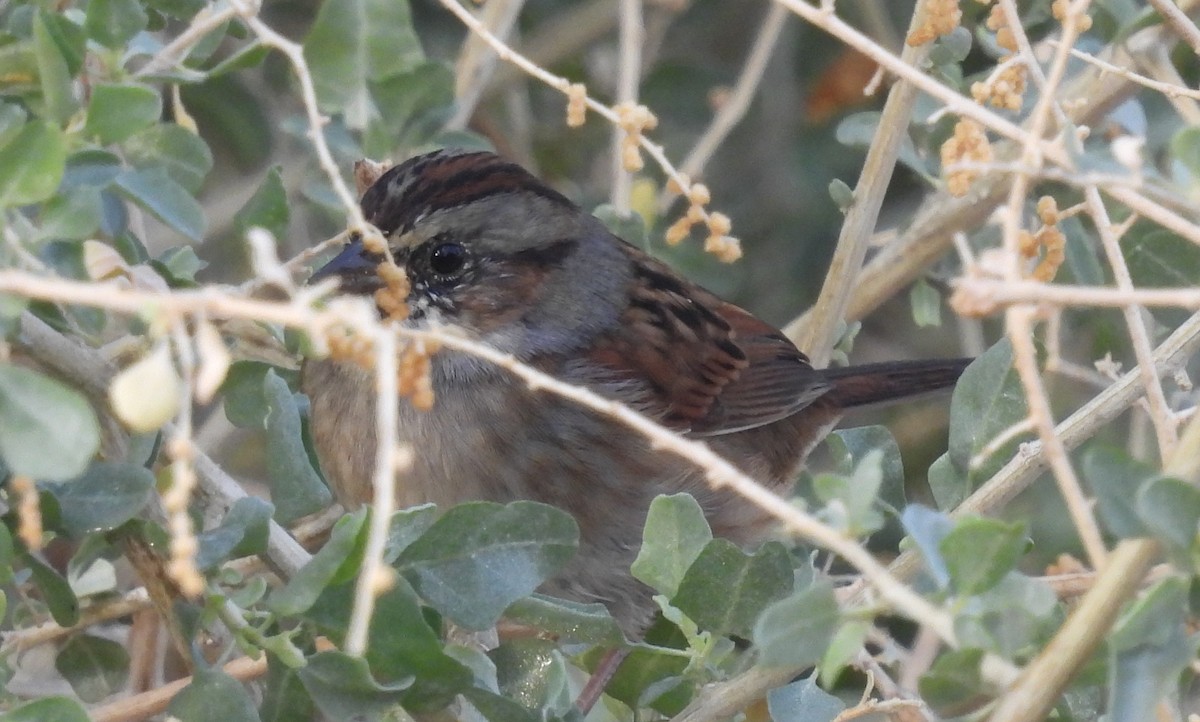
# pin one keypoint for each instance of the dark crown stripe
(440, 181)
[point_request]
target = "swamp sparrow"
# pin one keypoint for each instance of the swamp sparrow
(490, 249)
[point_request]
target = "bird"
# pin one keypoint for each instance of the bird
(489, 249)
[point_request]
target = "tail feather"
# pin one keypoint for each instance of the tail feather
(855, 386)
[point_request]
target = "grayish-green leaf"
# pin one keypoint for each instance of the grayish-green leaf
(570, 622)
(32, 164)
(407, 526)
(726, 589)
(1170, 508)
(241, 533)
(104, 497)
(166, 200)
(481, 557)
(284, 696)
(47, 430)
(803, 701)
(987, 401)
(532, 673)
(73, 214)
(928, 528)
(243, 392)
(53, 72)
(795, 632)
(842, 649)
(851, 500)
(980, 551)
(296, 487)
(213, 696)
(1151, 646)
(340, 554)
(267, 208)
(112, 23)
(94, 666)
(675, 534)
(63, 605)
(1115, 477)
(343, 688)
(842, 195)
(353, 43)
(50, 709)
(954, 681)
(926, 304)
(118, 110)
(180, 152)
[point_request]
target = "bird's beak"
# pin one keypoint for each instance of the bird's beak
(355, 269)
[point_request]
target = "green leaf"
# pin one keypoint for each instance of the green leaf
(244, 394)
(68, 36)
(296, 487)
(1010, 619)
(104, 497)
(495, 708)
(1115, 478)
(335, 561)
(284, 696)
(1161, 259)
(928, 528)
(726, 589)
(404, 646)
(118, 110)
(1170, 508)
(1185, 149)
(47, 430)
(532, 673)
(241, 533)
(570, 622)
(50, 709)
(407, 526)
(980, 551)
(675, 534)
(12, 119)
(418, 104)
(343, 688)
(795, 632)
(53, 72)
(986, 402)
(112, 23)
(32, 164)
(267, 208)
(803, 701)
(213, 696)
(850, 500)
(94, 666)
(163, 198)
(353, 43)
(63, 605)
(1151, 646)
(181, 153)
(926, 304)
(953, 684)
(842, 194)
(842, 649)
(481, 557)
(8, 553)
(179, 265)
(73, 214)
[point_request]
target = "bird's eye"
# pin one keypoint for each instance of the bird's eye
(447, 259)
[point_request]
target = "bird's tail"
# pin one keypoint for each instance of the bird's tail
(856, 386)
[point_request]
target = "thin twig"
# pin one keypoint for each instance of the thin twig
(477, 60)
(1179, 22)
(630, 35)
(853, 240)
(1160, 412)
